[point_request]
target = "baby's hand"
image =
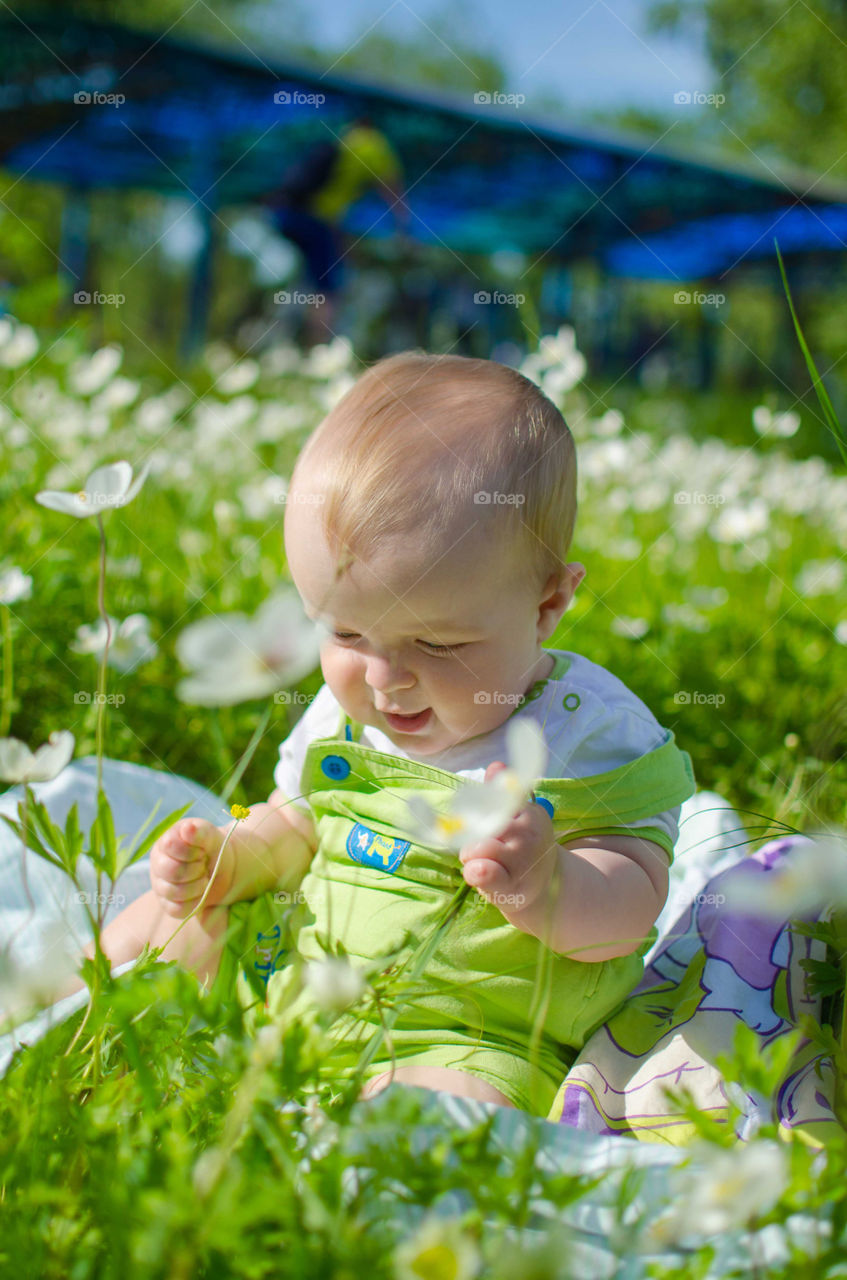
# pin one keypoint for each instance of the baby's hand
(514, 869)
(181, 862)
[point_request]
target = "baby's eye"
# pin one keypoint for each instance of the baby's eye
(344, 635)
(443, 649)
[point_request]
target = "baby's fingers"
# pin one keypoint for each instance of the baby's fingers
(177, 909)
(175, 892)
(188, 839)
(487, 875)
(178, 870)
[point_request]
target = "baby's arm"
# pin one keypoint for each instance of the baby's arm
(604, 895)
(592, 897)
(270, 849)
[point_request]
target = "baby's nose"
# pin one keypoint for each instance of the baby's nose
(386, 672)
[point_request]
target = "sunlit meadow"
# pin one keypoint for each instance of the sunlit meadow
(150, 1134)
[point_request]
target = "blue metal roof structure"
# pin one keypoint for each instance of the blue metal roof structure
(222, 127)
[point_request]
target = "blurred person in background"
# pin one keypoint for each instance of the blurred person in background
(309, 205)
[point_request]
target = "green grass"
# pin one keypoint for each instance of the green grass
(152, 1143)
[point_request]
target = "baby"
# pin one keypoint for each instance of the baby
(427, 527)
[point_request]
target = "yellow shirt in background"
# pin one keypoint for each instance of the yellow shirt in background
(366, 158)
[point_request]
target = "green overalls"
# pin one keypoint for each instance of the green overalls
(488, 989)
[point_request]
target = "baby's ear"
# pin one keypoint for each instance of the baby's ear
(576, 573)
(556, 595)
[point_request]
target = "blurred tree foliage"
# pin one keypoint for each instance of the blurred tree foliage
(781, 68)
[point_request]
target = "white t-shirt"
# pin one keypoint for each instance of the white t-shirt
(590, 720)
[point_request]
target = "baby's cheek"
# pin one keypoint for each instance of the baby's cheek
(344, 673)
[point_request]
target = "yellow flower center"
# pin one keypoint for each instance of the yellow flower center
(448, 825)
(240, 811)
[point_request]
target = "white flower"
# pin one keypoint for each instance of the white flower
(157, 412)
(439, 1248)
(234, 658)
(119, 393)
(218, 357)
(335, 389)
(478, 810)
(334, 983)
(36, 979)
(14, 585)
(556, 366)
(238, 377)
(325, 360)
(563, 377)
(632, 628)
(684, 615)
(109, 486)
(766, 423)
(90, 373)
(611, 423)
(709, 597)
(812, 876)
(193, 542)
(275, 420)
(841, 631)
(19, 764)
(723, 1190)
(259, 500)
(130, 645)
(20, 346)
(820, 577)
(282, 358)
(739, 524)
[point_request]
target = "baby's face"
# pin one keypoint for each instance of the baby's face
(432, 649)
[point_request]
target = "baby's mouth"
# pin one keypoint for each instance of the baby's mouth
(407, 723)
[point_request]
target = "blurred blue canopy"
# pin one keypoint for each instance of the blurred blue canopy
(94, 105)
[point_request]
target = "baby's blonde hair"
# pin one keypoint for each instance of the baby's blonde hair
(419, 437)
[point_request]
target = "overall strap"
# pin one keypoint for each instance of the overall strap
(348, 728)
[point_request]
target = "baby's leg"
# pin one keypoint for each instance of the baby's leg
(197, 946)
(446, 1078)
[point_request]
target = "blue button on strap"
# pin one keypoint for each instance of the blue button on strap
(335, 767)
(545, 804)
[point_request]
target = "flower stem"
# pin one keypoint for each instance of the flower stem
(6, 713)
(418, 962)
(247, 756)
(101, 681)
(101, 731)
